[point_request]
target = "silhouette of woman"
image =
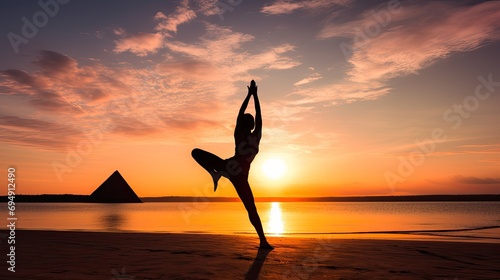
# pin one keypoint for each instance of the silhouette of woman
(237, 167)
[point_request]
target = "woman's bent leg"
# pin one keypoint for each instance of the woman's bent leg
(211, 163)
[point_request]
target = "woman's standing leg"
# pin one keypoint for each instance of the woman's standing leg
(245, 193)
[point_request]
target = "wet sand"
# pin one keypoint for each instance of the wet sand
(89, 255)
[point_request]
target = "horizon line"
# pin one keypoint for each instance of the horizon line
(197, 199)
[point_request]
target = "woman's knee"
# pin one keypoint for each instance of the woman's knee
(195, 153)
(252, 210)
(254, 216)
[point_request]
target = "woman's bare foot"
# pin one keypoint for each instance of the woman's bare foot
(215, 177)
(265, 245)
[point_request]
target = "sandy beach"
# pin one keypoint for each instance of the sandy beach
(91, 255)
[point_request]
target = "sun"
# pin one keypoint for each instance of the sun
(274, 168)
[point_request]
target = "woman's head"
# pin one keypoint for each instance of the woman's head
(247, 121)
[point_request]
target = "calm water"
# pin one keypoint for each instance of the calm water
(467, 220)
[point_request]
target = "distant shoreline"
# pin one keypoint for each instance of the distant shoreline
(70, 198)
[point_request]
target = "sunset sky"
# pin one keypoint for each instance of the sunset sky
(358, 97)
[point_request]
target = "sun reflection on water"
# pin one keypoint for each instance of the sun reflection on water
(275, 225)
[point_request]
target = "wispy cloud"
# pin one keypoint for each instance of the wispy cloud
(221, 48)
(182, 14)
(188, 123)
(55, 64)
(340, 93)
(417, 36)
(34, 132)
(309, 79)
(143, 44)
(287, 7)
(42, 88)
(483, 150)
(140, 44)
(181, 89)
(132, 126)
(447, 148)
(437, 30)
(476, 180)
(127, 100)
(119, 31)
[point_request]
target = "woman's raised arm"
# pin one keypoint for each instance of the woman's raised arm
(258, 116)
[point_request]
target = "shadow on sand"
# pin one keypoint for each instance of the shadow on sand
(254, 270)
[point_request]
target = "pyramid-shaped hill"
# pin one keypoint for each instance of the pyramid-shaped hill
(114, 190)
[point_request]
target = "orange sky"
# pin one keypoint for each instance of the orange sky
(349, 92)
